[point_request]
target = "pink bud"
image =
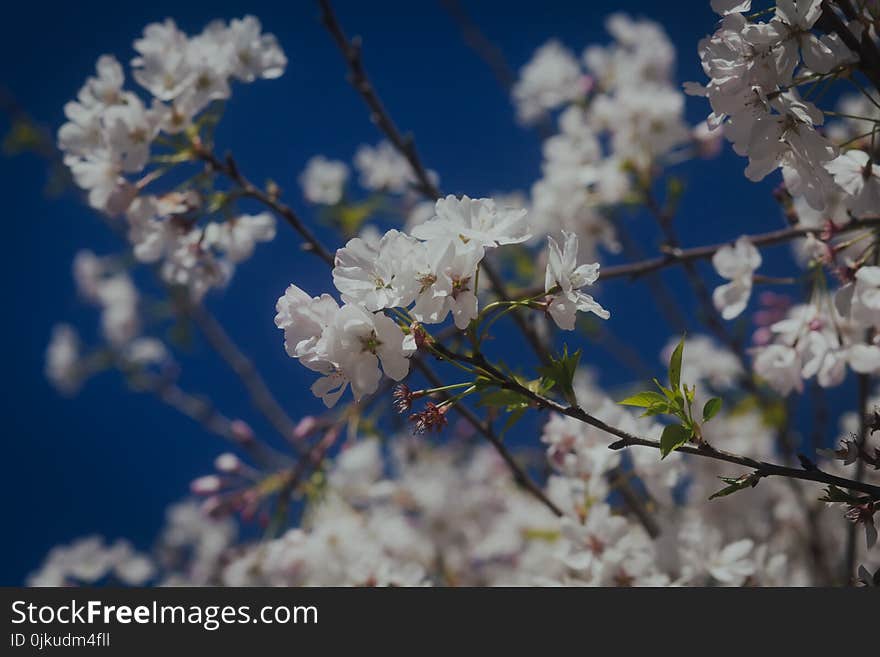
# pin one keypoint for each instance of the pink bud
(768, 298)
(762, 336)
(207, 485)
(227, 463)
(305, 427)
(587, 84)
(242, 432)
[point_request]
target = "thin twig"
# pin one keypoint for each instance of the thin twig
(492, 55)
(677, 256)
(203, 411)
(405, 144)
(229, 168)
(260, 394)
(520, 475)
(763, 468)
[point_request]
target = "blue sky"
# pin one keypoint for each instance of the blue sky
(110, 461)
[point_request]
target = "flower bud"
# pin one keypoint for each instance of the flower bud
(207, 485)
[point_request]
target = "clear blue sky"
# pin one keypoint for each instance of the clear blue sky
(109, 461)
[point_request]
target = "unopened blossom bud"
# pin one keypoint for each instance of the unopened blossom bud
(587, 84)
(227, 462)
(305, 427)
(765, 318)
(248, 504)
(329, 438)
(762, 337)
(242, 432)
(420, 336)
(770, 298)
(207, 485)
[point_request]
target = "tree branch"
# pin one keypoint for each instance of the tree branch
(260, 394)
(626, 439)
(351, 50)
(230, 169)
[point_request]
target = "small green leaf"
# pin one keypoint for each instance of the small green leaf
(644, 400)
(834, 495)
(506, 399)
(666, 391)
(660, 408)
(737, 484)
(675, 366)
(690, 393)
(674, 436)
(711, 408)
(512, 419)
(561, 372)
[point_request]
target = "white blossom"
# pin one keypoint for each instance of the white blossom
(860, 180)
(323, 180)
(563, 281)
(63, 359)
(552, 77)
(735, 263)
(475, 222)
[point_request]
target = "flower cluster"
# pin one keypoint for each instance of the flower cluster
(111, 132)
(623, 115)
(822, 338)
(756, 69)
(89, 561)
(105, 283)
(423, 277)
(413, 515)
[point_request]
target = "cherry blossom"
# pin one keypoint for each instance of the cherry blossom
(476, 222)
(563, 281)
(735, 263)
(323, 180)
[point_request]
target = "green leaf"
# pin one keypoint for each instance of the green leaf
(512, 419)
(675, 366)
(737, 484)
(644, 399)
(666, 391)
(835, 495)
(506, 399)
(690, 393)
(561, 372)
(660, 408)
(711, 408)
(674, 436)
